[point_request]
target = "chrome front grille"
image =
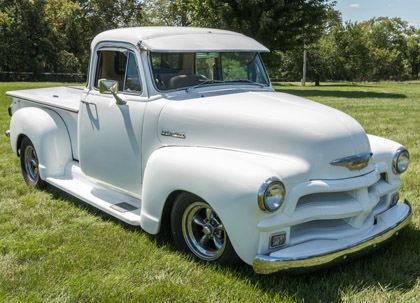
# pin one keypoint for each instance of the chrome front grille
(331, 209)
(336, 215)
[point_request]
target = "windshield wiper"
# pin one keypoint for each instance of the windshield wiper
(204, 82)
(247, 81)
(212, 81)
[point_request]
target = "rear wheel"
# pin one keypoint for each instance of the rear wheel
(30, 164)
(198, 230)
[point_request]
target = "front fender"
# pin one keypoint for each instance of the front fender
(228, 180)
(49, 135)
(383, 151)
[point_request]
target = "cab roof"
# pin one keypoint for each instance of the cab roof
(181, 39)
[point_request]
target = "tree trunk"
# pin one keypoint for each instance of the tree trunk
(317, 81)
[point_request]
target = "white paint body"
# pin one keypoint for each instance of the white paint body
(236, 137)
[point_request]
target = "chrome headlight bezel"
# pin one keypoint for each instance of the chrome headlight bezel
(272, 183)
(396, 168)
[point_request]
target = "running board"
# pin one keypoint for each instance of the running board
(119, 205)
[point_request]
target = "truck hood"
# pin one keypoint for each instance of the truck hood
(269, 123)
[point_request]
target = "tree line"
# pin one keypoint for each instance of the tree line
(378, 49)
(54, 35)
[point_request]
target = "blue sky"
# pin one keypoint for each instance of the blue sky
(362, 10)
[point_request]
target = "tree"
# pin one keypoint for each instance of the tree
(323, 54)
(377, 49)
(323, 57)
(55, 35)
(412, 52)
(281, 25)
(173, 12)
(353, 56)
(278, 24)
(387, 44)
(95, 16)
(24, 34)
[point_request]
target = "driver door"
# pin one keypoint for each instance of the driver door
(110, 134)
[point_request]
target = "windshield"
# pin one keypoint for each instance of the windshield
(182, 70)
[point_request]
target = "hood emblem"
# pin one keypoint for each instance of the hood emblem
(353, 162)
(169, 133)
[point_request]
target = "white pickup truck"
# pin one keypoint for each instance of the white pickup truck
(182, 125)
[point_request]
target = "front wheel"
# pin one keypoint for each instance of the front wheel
(30, 164)
(198, 230)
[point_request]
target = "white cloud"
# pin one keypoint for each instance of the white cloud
(355, 5)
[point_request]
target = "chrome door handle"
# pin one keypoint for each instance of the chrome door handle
(87, 102)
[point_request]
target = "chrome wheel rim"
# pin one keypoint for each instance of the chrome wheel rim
(31, 163)
(203, 231)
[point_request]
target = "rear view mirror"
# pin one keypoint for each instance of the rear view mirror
(110, 87)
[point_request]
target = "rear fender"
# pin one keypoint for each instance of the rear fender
(49, 135)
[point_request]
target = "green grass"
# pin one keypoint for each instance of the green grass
(54, 248)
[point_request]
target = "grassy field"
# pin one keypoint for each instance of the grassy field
(54, 248)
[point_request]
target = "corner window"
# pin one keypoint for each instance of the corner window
(120, 62)
(120, 66)
(132, 80)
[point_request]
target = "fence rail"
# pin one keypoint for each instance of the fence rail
(6, 76)
(278, 79)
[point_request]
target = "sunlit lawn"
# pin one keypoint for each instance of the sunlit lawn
(55, 248)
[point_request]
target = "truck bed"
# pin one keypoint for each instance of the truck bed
(63, 97)
(64, 100)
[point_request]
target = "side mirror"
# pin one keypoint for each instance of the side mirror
(110, 87)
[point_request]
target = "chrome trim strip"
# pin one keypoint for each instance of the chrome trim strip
(264, 264)
(10, 94)
(169, 133)
(355, 162)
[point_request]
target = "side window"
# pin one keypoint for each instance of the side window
(119, 66)
(132, 81)
(120, 62)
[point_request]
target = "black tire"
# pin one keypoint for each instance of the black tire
(30, 165)
(198, 230)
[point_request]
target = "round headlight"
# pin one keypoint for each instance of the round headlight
(271, 195)
(400, 160)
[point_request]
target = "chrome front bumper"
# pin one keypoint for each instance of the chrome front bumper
(329, 252)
